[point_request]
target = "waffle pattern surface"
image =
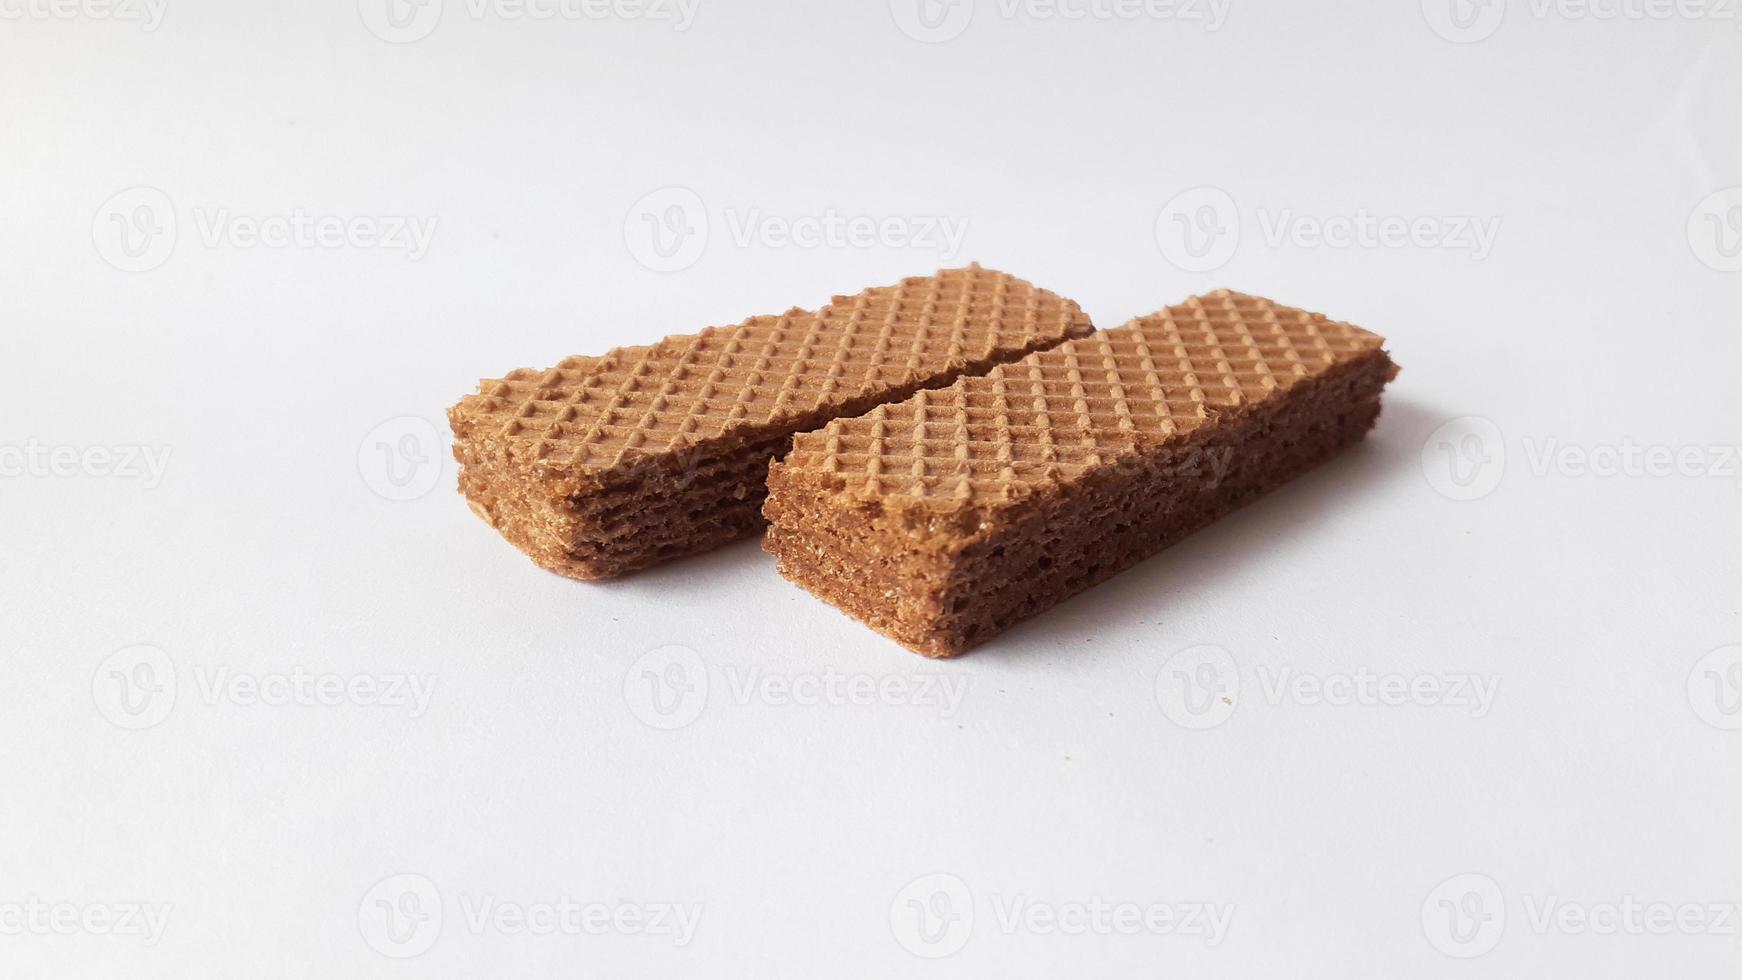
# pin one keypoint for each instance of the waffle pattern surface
(592, 414)
(603, 465)
(1055, 415)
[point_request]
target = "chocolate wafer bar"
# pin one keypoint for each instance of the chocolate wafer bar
(602, 465)
(944, 519)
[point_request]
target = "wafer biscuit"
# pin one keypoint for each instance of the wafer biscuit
(602, 465)
(946, 518)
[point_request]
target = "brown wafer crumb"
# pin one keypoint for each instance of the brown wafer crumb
(945, 519)
(602, 465)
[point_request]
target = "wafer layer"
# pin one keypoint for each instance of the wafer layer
(944, 519)
(601, 465)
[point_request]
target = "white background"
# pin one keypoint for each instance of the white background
(295, 387)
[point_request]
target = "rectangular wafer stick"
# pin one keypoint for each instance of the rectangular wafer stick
(602, 465)
(946, 518)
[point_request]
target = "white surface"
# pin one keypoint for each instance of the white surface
(1603, 771)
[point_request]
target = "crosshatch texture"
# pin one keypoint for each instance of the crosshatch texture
(604, 464)
(1107, 434)
(1051, 417)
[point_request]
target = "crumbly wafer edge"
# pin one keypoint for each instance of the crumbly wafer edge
(540, 505)
(923, 571)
